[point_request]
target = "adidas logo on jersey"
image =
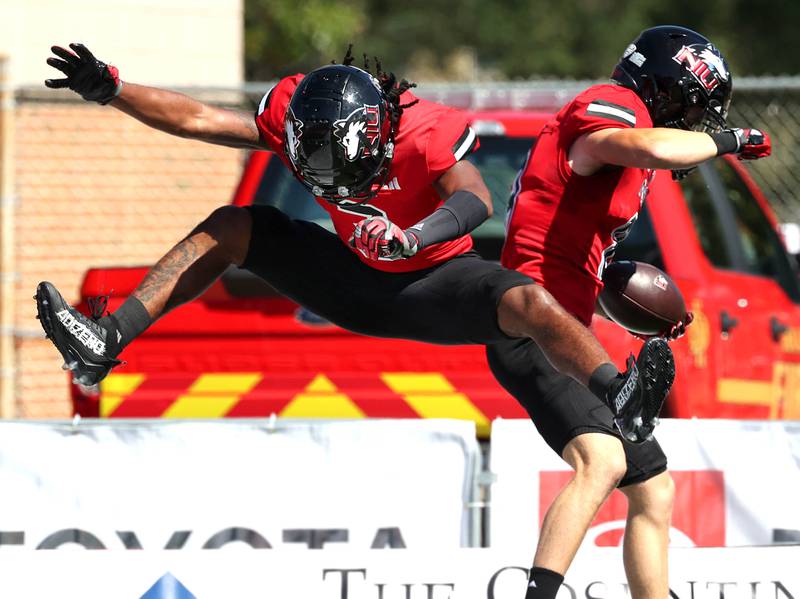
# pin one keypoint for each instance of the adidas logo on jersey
(81, 332)
(392, 185)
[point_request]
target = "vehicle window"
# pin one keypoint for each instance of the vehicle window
(641, 243)
(279, 188)
(763, 252)
(499, 159)
(707, 222)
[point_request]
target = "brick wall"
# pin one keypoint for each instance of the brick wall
(97, 188)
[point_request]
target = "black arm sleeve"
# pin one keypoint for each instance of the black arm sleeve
(461, 213)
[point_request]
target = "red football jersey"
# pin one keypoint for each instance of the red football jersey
(430, 139)
(562, 228)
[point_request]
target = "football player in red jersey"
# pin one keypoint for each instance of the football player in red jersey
(574, 200)
(388, 169)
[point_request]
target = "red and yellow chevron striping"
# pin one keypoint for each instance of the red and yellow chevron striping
(320, 395)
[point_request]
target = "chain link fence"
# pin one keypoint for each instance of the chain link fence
(768, 103)
(774, 105)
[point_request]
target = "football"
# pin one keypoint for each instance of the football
(641, 298)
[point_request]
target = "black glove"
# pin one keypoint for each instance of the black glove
(93, 79)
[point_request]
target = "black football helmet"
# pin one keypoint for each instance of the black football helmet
(339, 136)
(680, 76)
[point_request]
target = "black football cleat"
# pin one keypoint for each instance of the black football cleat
(637, 402)
(81, 341)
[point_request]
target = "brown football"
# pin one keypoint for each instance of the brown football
(641, 298)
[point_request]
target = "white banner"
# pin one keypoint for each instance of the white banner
(742, 573)
(737, 483)
(200, 485)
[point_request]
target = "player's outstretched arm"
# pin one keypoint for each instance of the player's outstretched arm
(168, 111)
(180, 115)
(662, 148)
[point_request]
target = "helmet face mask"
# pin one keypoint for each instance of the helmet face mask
(339, 137)
(680, 76)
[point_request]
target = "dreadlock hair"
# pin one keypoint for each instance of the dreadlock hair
(389, 84)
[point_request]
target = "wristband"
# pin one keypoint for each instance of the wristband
(726, 142)
(461, 213)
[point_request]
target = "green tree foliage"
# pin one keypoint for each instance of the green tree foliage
(287, 36)
(508, 38)
(758, 37)
(555, 38)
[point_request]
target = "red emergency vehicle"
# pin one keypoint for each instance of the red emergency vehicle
(242, 350)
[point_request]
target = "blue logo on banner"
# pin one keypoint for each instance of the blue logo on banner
(168, 587)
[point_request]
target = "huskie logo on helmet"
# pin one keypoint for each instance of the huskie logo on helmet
(704, 63)
(359, 133)
(294, 131)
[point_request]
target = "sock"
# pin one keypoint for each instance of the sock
(603, 379)
(127, 322)
(543, 584)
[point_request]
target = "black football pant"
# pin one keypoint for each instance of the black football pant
(562, 408)
(454, 302)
